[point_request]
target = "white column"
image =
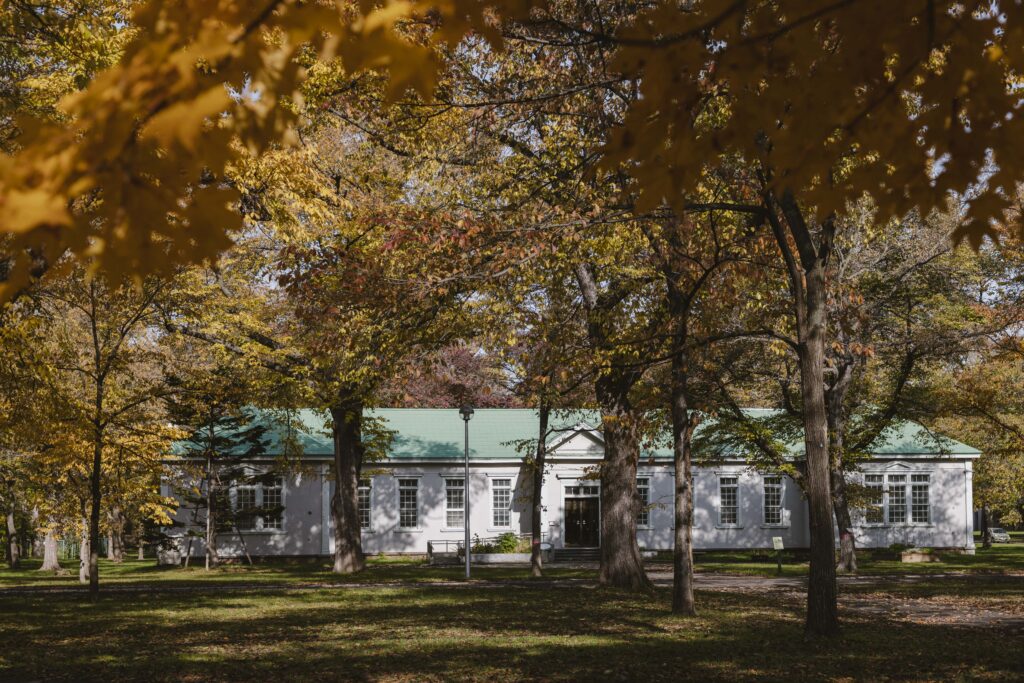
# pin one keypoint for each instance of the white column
(969, 504)
(325, 511)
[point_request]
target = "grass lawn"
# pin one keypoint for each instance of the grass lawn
(439, 633)
(380, 570)
(1000, 558)
(568, 630)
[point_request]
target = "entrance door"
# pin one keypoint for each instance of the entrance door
(582, 523)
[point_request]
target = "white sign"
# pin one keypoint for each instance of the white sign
(777, 542)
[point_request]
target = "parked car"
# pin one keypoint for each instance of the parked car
(999, 535)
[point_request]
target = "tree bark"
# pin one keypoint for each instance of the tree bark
(621, 564)
(837, 449)
(844, 520)
(808, 286)
(986, 528)
(51, 562)
(347, 416)
(211, 516)
(96, 493)
(115, 545)
(822, 609)
(84, 556)
(13, 550)
(683, 424)
(536, 530)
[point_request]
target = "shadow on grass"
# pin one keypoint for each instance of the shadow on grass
(438, 634)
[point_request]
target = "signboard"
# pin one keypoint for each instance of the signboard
(777, 542)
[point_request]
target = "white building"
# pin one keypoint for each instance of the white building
(417, 495)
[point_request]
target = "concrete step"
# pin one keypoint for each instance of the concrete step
(576, 554)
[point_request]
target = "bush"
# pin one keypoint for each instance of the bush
(504, 544)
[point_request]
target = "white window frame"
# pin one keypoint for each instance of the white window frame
(416, 488)
(923, 478)
(643, 515)
(368, 490)
(736, 486)
(783, 521)
(459, 484)
(259, 523)
(495, 488)
(879, 488)
(905, 488)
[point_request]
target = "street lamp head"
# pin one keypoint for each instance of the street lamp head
(466, 412)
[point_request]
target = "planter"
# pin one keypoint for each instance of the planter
(170, 557)
(506, 558)
(918, 556)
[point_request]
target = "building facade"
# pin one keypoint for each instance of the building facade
(919, 484)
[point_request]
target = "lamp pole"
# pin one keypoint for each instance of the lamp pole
(466, 412)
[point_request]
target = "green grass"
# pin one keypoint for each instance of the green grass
(437, 633)
(393, 631)
(1000, 558)
(379, 570)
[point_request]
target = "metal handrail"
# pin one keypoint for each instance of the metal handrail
(456, 546)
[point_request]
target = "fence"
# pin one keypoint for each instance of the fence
(69, 549)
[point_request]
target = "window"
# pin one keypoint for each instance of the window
(501, 503)
(728, 506)
(245, 506)
(897, 498)
(643, 492)
(920, 508)
(773, 500)
(874, 514)
(889, 501)
(408, 503)
(363, 501)
(576, 491)
(454, 503)
(259, 506)
(272, 514)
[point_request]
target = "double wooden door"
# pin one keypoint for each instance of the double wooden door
(582, 523)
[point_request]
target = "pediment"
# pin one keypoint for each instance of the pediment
(583, 440)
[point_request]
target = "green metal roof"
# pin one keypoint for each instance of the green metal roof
(437, 434)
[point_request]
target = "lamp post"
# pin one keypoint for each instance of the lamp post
(466, 412)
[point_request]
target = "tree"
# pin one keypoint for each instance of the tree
(213, 405)
(103, 379)
(694, 256)
(451, 376)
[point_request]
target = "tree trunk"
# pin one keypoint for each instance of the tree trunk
(115, 544)
(844, 520)
(683, 424)
(807, 277)
(840, 500)
(986, 528)
(13, 550)
(211, 516)
(822, 610)
(51, 562)
(142, 550)
(347, 416)
(621, 564)
(96, 494)
(84, 555)
(536, 531)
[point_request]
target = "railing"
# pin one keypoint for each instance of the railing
(455, 547)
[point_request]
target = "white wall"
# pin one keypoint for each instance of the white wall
(385, 535)
(300, 533)
(307, 512)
